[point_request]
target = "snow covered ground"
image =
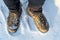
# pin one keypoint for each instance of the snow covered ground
(28, 30)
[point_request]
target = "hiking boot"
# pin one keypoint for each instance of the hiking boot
(35, 11)
(13, 21)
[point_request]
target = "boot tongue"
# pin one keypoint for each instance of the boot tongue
(36, 9)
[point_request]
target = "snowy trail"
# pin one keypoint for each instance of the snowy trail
(51, 10)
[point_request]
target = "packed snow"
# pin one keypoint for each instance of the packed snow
(28, 29)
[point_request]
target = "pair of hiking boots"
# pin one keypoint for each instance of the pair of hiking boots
(34, 10)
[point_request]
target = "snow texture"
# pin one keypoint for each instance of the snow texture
(27, 29)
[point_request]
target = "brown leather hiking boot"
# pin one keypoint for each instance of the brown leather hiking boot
(13, 21)
(35, 11)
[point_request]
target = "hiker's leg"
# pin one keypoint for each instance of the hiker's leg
(15, 10)
(35, 11)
